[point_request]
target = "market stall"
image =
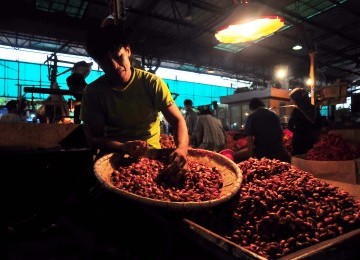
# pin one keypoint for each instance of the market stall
(259, 226)
(276, 99)
(279, 211)
(335, 156)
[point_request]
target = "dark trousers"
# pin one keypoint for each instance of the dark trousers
(77, 109)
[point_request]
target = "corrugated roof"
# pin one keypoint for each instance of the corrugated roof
(181, 33)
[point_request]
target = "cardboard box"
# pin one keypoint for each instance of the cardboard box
(343, 171)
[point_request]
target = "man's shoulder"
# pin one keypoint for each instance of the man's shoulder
(267, 112)
(4, 117)
(141, 73)
(148, 78)
(11, 118)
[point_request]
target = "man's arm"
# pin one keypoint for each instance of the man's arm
(107, 145)
(174, 117)
(178, 159)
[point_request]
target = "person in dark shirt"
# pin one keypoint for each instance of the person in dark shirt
(76, 83)
(304, 122)
(190, 118)
(264, 133)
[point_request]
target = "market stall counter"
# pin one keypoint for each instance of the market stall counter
(45, 162)
(241, 227)
(341, 247)
(271, 219)
(280, 212)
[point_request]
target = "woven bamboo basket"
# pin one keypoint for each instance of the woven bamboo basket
(231, 174)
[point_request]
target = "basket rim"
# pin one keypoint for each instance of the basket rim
(170, 204)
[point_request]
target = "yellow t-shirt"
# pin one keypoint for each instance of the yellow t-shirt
(129, 114)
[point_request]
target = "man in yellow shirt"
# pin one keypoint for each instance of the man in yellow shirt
(121, 108)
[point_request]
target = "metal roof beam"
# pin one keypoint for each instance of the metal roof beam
(275, 5)
(352, 11)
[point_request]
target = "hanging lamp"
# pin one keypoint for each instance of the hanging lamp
(297, 47)
(250, 31)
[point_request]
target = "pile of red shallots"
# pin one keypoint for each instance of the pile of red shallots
(331, 147)
(167, 141)
(241, 142)
(281, 209)
(199, 183)
(287, 139)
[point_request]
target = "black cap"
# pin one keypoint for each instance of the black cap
(83, 64)
(256, 103)
(101, 40)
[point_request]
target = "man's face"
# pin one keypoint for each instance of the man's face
(116, 65)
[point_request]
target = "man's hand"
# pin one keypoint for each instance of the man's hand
(173, 174)
(177, 162)
(178, 157)
(135, 148)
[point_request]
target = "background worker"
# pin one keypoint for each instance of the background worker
(304, 122)
(76, 83)
(209, 132)
(12, 115)
(264, 133)
(190, 118)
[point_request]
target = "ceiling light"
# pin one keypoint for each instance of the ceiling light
(250, 31)
(309, 82)
(281, 72)
(297, 47)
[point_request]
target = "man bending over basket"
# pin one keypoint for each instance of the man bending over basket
(121, 108)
